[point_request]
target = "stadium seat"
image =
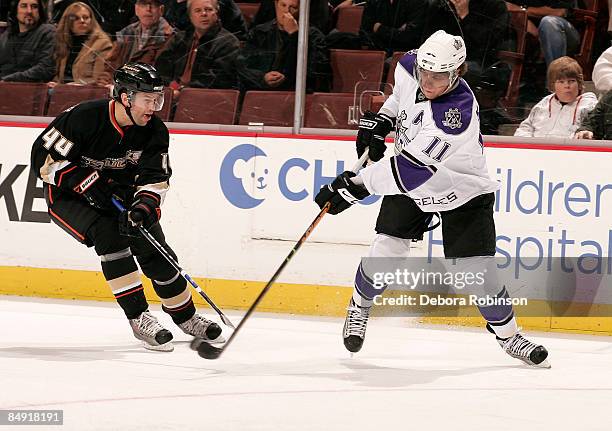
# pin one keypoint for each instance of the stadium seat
(202, 105)
(272, 108)
(509, 102)
(585, 21)
(331, 110)
(391, 73)
(63, 96)
(21, 98)
(249, 10)
(356, 70)
(349, 19)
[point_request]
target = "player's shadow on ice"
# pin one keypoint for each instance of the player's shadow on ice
(366, 374)
(72, 354)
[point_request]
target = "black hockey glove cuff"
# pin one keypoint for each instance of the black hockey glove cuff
(341, 193)
(373, 128)
(145, 209)
(89, 184)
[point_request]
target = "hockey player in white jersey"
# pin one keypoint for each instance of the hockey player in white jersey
(438, 167)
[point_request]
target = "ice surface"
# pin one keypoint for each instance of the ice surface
(292, 373)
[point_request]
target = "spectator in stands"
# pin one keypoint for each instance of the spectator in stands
(602, 72)
(394, 25)
(558, 37)
(204, 56)
(81, 48)
(113, 15)
(560, 114)
(269, 58)
(485, 27)
(319, 14)
(598, 124)
(229, 14)
(26, 48)
(139, 42)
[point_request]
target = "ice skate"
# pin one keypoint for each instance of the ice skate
(200, 327)
(153, 335)
(355, 326)
(521, 348)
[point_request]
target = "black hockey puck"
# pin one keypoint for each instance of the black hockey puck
(205, 350)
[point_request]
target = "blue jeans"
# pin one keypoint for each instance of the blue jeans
(557, 38)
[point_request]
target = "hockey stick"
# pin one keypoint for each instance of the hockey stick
(205, 349)
(176, 266)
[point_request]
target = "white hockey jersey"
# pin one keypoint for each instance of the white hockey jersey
(439, 160)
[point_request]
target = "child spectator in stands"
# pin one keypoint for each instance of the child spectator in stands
(81, 48)
(204, 56)
(139, 42)
(269, 58)
(560, 114)
(229, 14)
(26, 47)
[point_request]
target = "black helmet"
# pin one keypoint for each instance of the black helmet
(136, 77)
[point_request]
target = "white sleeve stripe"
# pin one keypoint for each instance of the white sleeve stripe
(158, 188)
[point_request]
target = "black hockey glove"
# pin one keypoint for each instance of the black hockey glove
(373, 128)
(145, 210)
(88, 183)
(341, 193)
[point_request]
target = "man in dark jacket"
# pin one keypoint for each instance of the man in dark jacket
(229, 14)
(26, 48)
(269, 58)
(598, 124)
(140, 42)
(319, 14)
(394, 25)
(203, 56)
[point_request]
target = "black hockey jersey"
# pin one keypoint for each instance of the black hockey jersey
(88, 136)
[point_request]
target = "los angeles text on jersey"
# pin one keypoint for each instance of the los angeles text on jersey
(436, 200)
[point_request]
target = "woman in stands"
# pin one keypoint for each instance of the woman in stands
(81, 46)
(560, 113)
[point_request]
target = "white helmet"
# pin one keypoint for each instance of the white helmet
(441, 52)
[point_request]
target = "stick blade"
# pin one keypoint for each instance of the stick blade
(205, 350)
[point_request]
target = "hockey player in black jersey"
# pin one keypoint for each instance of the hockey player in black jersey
(439, 166)
(104, 148)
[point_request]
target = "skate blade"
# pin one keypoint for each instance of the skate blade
(543, 364)
(166, 347)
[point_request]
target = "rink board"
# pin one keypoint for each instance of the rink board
(239, 201)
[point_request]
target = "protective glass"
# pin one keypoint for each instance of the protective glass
(153, 101)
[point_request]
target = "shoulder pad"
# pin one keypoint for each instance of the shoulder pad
(452, 112)
(408, 61)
